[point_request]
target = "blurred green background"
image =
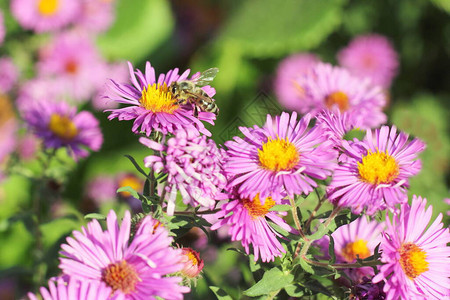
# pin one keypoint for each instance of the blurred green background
(246, 40)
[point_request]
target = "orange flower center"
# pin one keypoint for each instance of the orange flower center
(337, 98)
(158, 98)
(413, 260)
(131, 181)
(256, 209)
(6, 111)
(378, 167)
(354, 249)
(71, 67)
(278, 155)
(62, 127)
(48, 7)
(121, 276)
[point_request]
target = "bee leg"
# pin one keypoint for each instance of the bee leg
(195, 111)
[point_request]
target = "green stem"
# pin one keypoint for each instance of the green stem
(313, 214)
(272, 295)
(296, 219)
(342, 266)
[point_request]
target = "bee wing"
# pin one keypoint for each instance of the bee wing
(199, 96)
(207, 76)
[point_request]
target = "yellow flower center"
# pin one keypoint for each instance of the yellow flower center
(121, 276)
(62, 127)
(6, 111)
(356, 248)
(48, 7)
(277, 155)
(337, 98)
(131, 181)
(158, 98)
(192, 257)
(378, 167)
(256, 209)
(413, 260)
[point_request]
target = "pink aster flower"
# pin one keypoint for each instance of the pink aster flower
(193, 165)
(74, 61)
(8, 74)
(335, 124)
(287, 85)
(357, 239)
(193, 264)
(152, 106)
(283, 156)
(45, 15)
(370, 56)
(248, 223)
(334, 88)
(59, 125)
(96, 15)
(136, 269)
(59, 289)
(376, 172)
(417, 259)
(101, 189)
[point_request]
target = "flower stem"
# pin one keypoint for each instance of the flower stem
(296, 219)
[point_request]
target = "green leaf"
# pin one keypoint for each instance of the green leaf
(136, 165)
(140, 28)
(331, 250)
(129, 190)
(95, 216)
(305, 266)
(321, 231)
(254, 265)
(273, 280)
(442, 4)
(294, 290)
(267, 28)
(220, 294)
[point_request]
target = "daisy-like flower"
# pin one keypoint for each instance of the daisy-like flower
(287, 85)
(59, 125)
(59, 289)
(45, 15)
(357, 239)
(8, 74)
(248, 223)
(375, 173)
(193, 165)
(335, 124)
(334, 88)
(151, 104)
(136, 269)
(193, 264)
(283, 156)
(74, 61)
(417, 259)
(371, 56)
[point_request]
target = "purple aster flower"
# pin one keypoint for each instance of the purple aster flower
(136, 269)
(152, 106)
(59, 289)
(367, 290)
(96, 15)
(334, 88)
(101, 189)
(287, 85)
(370, 56)
(45, 15)
(335, 124)
(8, 74)
(73, 59)
(375, 173)
(357, 239)
(193, 165)
(417, 259)
(283, 156)
(248, 223)
(59, 125)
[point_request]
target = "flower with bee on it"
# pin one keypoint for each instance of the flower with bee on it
(152, 105)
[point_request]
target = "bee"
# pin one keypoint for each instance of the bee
(190, 92)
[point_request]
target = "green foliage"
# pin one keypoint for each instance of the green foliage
(220, 294)
(277, 28)
(272, 281)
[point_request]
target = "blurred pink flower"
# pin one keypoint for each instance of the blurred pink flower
(371, 56)
(288, 87)
(45, 15)
(9, 74)
(96, 15)
(102, 100)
